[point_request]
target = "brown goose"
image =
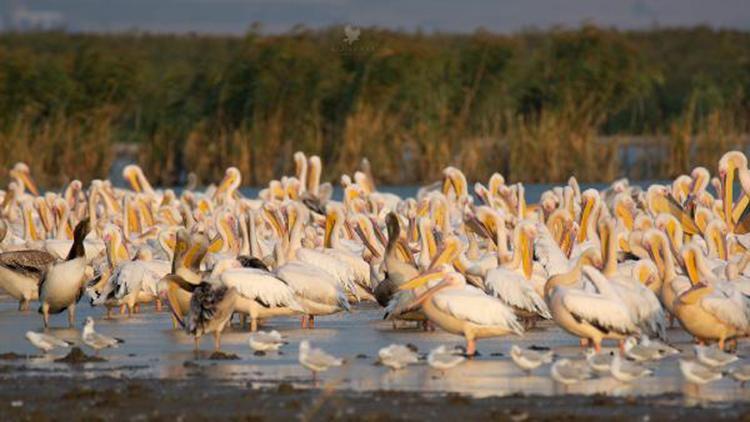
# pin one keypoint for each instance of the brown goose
(21, 272)
(64, 282)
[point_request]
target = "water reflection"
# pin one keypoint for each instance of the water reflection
(153, 349)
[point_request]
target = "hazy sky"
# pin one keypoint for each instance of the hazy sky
(235, 16)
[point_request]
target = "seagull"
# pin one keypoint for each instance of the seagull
(741, 373)
(600, 362)
(397, 356)
(641, 352)
(625, 371)
(95, 340)
(266, 341)
(662, 346)
(443, 358)
(567, 372)
(711, 356)
(529, 360)
(46, 342)
(316, 360)
(695, 373)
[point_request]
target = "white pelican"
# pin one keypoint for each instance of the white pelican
(463, 310)
(514, 286)
(260, 294)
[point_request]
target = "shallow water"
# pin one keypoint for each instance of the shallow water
(152, 349)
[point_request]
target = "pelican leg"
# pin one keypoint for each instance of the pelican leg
(733, 344)
(174, 322)
(130, 310)
(23, 304)
(303, 321)
(45, 314)
(217, 341)
(597, 346)
(471, 347)
(72, 315)
(253, 325)
(584, 342)
(243, 320)
(312, 322)
(721, 344)
(196, 343)
(122, 309)
(621, 344)
(137, 308)
(158, 305)
(109, 313)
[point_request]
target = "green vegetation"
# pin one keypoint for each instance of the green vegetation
(534, 105)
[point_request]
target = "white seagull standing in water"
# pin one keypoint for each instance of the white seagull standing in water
(443, 358)
(266, 341)
(316, 360)
(528, 360)
(95, 340)
(397, 356)
(625, 371)
(712, 356)
(46, 342)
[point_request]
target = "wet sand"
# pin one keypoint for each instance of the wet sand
(158, 363)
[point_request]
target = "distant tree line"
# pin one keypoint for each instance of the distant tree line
(532, 105)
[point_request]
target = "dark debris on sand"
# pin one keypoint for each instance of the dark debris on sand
(76, 357)
(108, 398)
(223, 356)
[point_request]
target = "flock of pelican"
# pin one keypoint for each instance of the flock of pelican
(622, 264)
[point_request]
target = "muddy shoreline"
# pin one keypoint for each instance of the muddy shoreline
(106, 398)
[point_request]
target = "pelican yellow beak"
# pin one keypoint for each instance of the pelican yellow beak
(224, 185)
(216, 245)
(273, 219)
(134, 182)
(585, 215)
(691, 268)
(331, 219)
(526, 255)
(625, 215)
(422, 279)
(727, 197)
(27, 182)
(449, 252)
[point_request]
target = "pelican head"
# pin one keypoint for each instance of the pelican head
(22, 174)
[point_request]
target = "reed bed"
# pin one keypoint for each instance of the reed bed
(535, 106)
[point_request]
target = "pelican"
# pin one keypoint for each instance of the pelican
(461, 309)
(593, 316)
